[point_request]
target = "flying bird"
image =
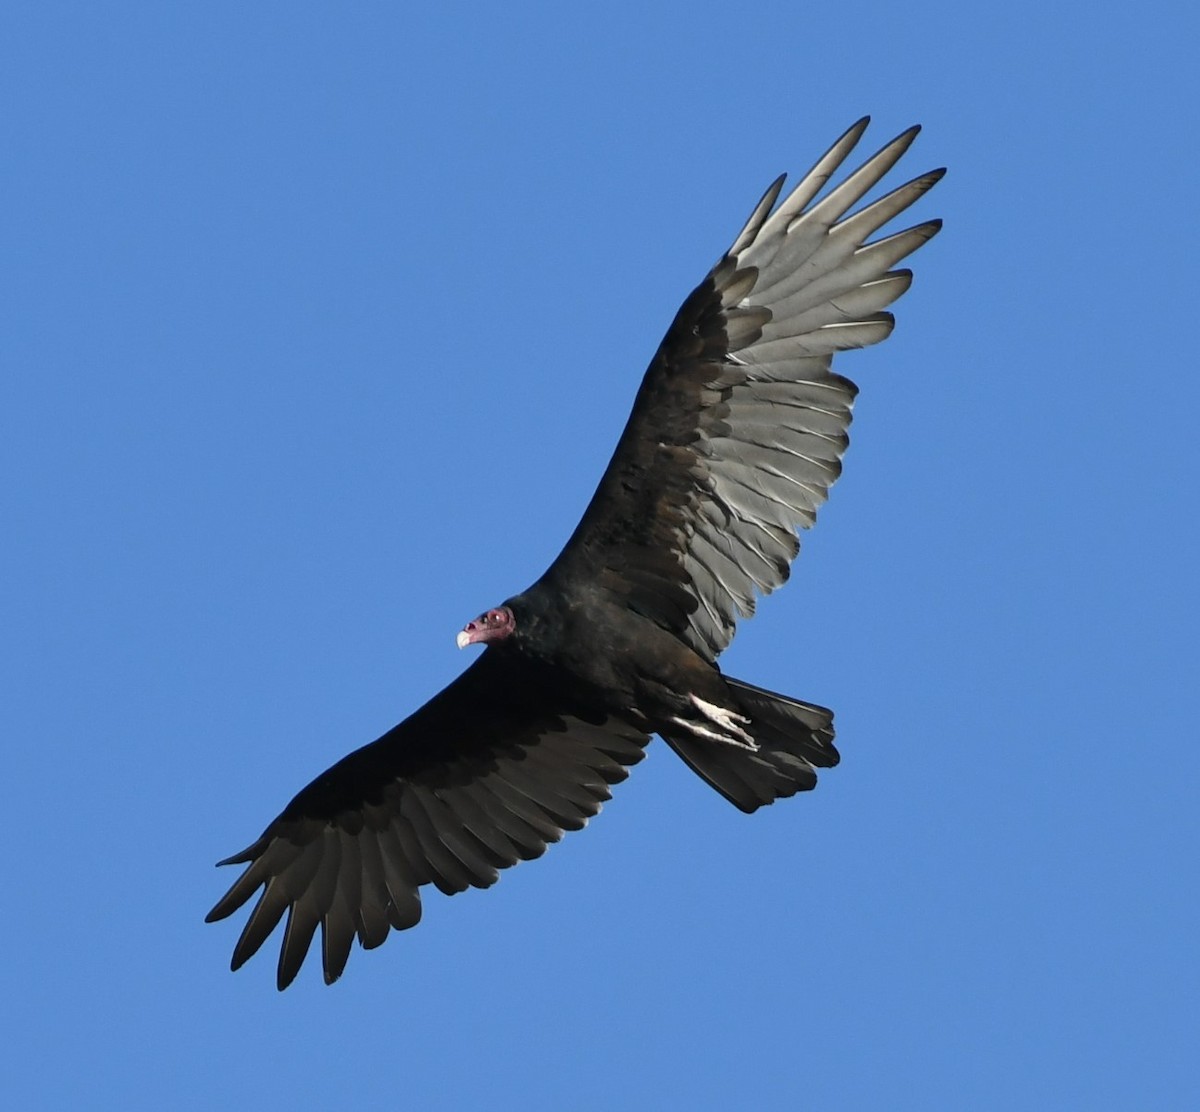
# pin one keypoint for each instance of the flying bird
(735, 437)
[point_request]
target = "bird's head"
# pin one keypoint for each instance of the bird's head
(493, 625)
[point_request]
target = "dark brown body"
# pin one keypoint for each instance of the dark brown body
(765, 749)
(735, 437)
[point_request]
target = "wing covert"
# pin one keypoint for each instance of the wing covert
(486, 774)
(740, 424)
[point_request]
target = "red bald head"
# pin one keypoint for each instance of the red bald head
(495, 625)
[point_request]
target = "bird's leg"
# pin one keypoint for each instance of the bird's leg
(729, 725)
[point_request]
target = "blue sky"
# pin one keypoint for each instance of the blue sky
(320, 325)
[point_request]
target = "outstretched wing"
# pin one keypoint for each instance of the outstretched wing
(486, 774)
(739, 427)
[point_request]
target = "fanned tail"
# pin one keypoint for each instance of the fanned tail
(793, 737)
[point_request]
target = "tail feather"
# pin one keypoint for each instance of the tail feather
(793, 738)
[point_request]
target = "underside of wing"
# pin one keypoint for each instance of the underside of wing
(486, 774)
(740, 424)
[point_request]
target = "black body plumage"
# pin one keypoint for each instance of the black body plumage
(735, 437)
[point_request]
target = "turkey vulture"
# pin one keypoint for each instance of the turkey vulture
(736, 435)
